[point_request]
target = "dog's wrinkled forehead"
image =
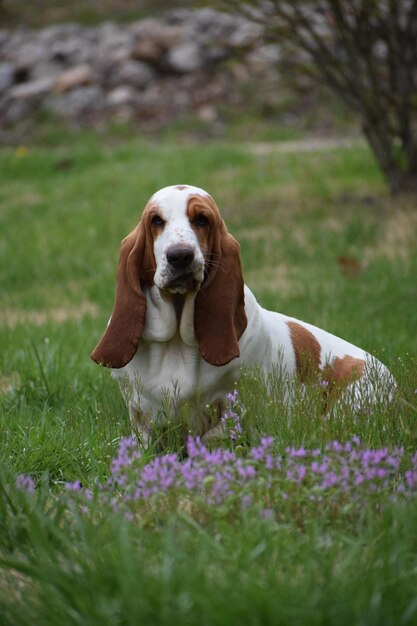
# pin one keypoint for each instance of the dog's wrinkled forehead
(173, 200)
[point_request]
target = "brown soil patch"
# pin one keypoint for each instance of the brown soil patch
(398, 239)
(302, 145)
(274, 278)
(13, 317)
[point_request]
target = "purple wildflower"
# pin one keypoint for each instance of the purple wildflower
(25, 483)
(411, 478)
(264, 450)
(232, 396)
(220, 477)
(75, 486)
(296, 452)
(232, 417)
(128, 452)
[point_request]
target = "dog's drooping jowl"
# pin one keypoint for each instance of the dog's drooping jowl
(184, 323)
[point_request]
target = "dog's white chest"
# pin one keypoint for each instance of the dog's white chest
(172, 366)
(173, 369)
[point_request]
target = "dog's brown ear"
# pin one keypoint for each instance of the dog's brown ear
(136, 263)
(219, 313)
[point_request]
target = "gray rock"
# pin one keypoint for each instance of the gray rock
(156, 30)
(133, 73)
(66, 53)
(149, 51)
(111, 36)
(263, 57)
(30, 54)
(12, 111)
(73, 78)
(79, 102)
(153, 69)
(245, 33)
(7, 73)
(32, 89)
(185, 57)
(121, 96)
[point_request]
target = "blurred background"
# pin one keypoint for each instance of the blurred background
(219, 68)
(158, 66)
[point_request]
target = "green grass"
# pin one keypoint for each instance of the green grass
(66, 203)
(86, 12)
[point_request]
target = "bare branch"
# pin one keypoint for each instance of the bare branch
(366, 52)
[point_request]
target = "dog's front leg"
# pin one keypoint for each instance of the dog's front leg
(215, 428)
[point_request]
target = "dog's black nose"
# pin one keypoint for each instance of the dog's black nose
(180, 256)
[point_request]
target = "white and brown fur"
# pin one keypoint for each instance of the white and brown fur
(184, 323)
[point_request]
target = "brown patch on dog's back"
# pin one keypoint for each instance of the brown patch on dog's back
(338, 375)
(307, 351)
(341, 372)
(334, 377)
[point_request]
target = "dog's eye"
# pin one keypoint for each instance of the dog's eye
(201, 221)
(157, 221)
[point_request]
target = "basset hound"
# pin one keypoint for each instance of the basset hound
(184, 323)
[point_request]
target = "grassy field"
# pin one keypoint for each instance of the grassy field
(321, 241)
(20, 12)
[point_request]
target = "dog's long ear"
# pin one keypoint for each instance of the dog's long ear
(136, 264)
(219, 313)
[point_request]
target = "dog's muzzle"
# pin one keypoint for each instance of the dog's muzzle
(180, 257)
(184, 269)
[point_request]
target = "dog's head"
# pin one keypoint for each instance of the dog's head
(181, 245)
